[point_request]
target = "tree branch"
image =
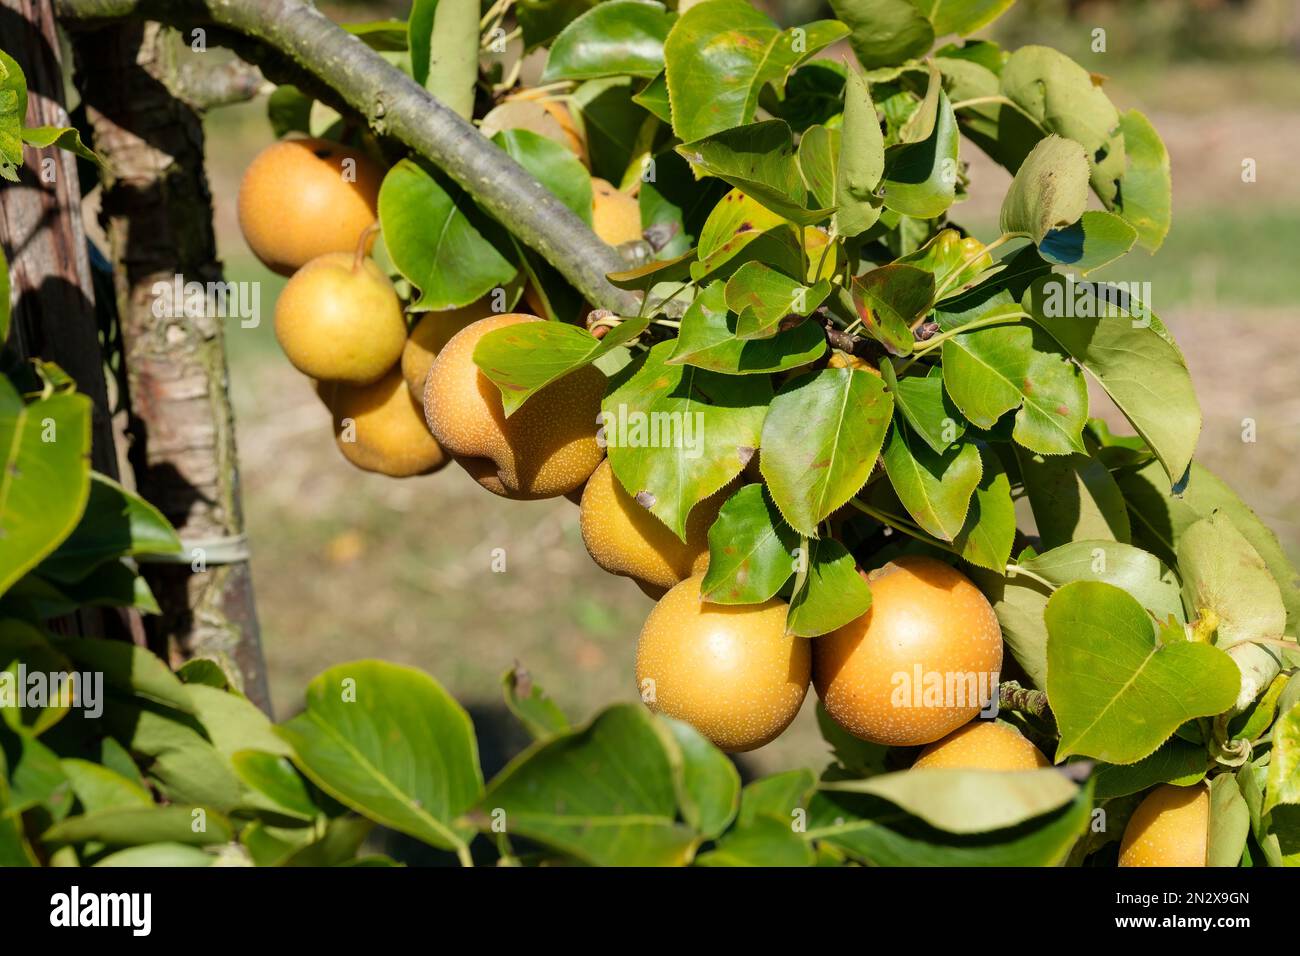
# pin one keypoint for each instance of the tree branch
(395, 105)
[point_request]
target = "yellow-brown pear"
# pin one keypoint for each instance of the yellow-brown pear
(730, 671)
(546, 448)
(914, 667)
(615, 216)
(624, 538)
(982, 745)
(339, 320)
(380, 428)
(429, 336)
(1170, 827)
(302, 198)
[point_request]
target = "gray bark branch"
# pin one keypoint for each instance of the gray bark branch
(393, 104)
(157, 213)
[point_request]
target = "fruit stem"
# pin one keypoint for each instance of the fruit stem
(1011, 696)
(363, 242)
(1006, 318)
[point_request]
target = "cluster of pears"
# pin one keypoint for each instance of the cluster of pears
(408, 402)
(308, 209)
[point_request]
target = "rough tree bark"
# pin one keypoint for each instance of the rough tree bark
(157, 213)
(45, 242)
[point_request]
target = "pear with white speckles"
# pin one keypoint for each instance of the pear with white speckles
(624, 538)
(914, 666)
(730, 671)
(545, 449)
(982, 745)
(1170, 827)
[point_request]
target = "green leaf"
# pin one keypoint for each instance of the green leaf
(128, 668)
(1283, 785)
(158, 855)
(884, 32)
(136, 826)
(24, 646)
(342, 840)
(712, 426)
(721, 53)
(1160, 519)
(734, 223)
(523, 359)
(531, 705)
(936, 489)
(1177, 762)
(920, 178)
(707, 783)
(750, 550)
(1073, 497)
(434, 243)
(36, 777)
(861, 161)
(890, 300)
(604, 793)
(1061, 97)
(951, 259)
(447, 42)
(553, 165)
(761, 297)
(1145, 191)
(779, 796)
(833, 592)
(616, 38)
(1224, 575)
(1229, 822)
(874, 831)
(46, 475)
(182, 765)
(116, 523)
(390, 743)
(277, 785)
(654, 99)
(541, 20)
(819, 157)
(813, 95)
(820, 442)
(1134, 360)
(961, 16)
(64, 137)
(989, 372)
(990, 530)
(13, 111)
(968, 801)
(766, 841)
(1140, 574)
(1227, 587)
(288, 109)
(1049, 191)
(759, 160)
(926, 406)
(99, 788)
(708, 340)
(1097, 239)
(1117, 694)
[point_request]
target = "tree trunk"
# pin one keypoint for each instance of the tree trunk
(157, 213)
(45, 242)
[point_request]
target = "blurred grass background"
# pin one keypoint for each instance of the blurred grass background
(350, 565)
